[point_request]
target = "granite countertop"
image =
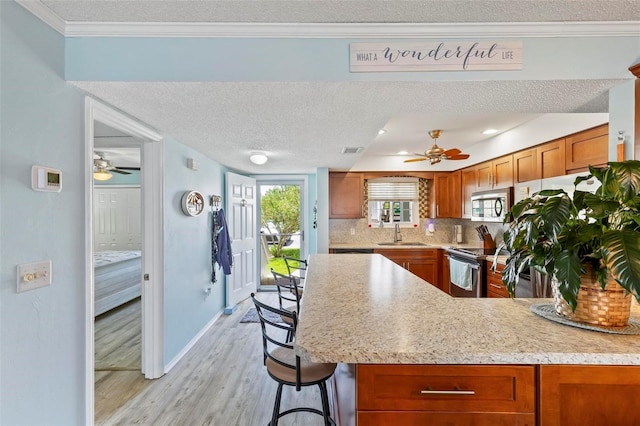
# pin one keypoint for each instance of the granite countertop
(366, 309)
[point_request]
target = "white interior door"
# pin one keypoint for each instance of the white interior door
(241, 220)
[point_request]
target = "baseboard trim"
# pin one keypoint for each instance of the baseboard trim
(191, 344)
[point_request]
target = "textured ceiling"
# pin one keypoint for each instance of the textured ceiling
(304, 126)
(344, 11)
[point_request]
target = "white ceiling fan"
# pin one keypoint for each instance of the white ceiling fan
(436, 154)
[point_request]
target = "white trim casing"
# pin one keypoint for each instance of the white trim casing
(152, 180)
(333, 30)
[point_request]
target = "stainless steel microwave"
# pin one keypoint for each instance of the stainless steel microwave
(491, 206)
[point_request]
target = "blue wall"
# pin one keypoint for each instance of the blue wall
(247, 59)
(187, 260)
(42, 331)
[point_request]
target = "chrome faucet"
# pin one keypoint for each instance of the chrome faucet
(397, 236)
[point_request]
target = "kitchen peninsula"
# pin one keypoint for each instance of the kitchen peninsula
(387, 324)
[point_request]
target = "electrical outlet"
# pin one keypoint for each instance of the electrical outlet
(34, 275)
(353, 231)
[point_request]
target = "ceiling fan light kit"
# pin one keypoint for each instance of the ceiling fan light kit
(102, 175)
(436, 154)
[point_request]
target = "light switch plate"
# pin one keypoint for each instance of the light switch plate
(34, 275)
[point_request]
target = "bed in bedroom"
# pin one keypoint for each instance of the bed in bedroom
(117, 278)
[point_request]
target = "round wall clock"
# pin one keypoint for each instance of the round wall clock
(192, 203)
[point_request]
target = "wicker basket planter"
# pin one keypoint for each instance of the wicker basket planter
(606, 308)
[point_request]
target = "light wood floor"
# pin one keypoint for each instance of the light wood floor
(221, 381)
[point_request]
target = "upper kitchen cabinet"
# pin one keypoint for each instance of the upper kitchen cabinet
(589, 147)
(497, 173)
(544, 161)
(346, 195)
(468, 185)
(551, 157)
(448, 195)
(525, 165)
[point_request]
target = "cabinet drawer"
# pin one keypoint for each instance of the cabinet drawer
(458, 388)
(497, 287)
(421, 418)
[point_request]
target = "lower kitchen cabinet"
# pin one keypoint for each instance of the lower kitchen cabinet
(495, 286)
(589, 395)
(421, 262)
(446, 394)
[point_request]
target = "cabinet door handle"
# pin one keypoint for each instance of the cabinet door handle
(429, 391)
(494, 285)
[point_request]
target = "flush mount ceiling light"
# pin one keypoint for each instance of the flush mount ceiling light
(102, 175)
(258, 158)
(381, 131)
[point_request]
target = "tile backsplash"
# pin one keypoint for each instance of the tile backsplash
(340, 231)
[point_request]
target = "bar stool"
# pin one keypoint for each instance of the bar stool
(286, 368)
(297, 268)
(288, 291)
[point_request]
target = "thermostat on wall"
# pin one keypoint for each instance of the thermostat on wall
(46, 179)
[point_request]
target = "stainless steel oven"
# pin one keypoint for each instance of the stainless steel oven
(475, 263)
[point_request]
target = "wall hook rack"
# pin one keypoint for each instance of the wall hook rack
(214, 201)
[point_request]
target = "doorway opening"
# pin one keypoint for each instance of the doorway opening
(282, 226)
(140, 280)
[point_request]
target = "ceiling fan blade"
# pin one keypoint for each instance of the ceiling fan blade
(458, 157)
(129, 168)
(413, 160)
(122, 172)
(451, 152)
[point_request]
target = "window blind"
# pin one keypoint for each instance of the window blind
(393, 189)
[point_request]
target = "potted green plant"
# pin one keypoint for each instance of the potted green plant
(574, 238)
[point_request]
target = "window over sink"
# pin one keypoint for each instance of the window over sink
(393, 200)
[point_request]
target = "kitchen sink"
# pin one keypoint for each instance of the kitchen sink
(404, 243)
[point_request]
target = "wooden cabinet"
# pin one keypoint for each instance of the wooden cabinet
(468, 185)
(445, 274)
(346, 195)
(445, 394)
(589, 147)
(589, 395)
(551, 159)
(497, 173)
(448, 196)
(421, 262)
(495, 286)
(544, 161)
(525, 165)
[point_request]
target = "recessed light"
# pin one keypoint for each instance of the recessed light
(381, 131)
(403, 152)
(489, 132)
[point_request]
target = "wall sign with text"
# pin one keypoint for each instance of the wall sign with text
(435, 56)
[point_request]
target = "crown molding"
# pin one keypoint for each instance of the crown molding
(332, 30)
